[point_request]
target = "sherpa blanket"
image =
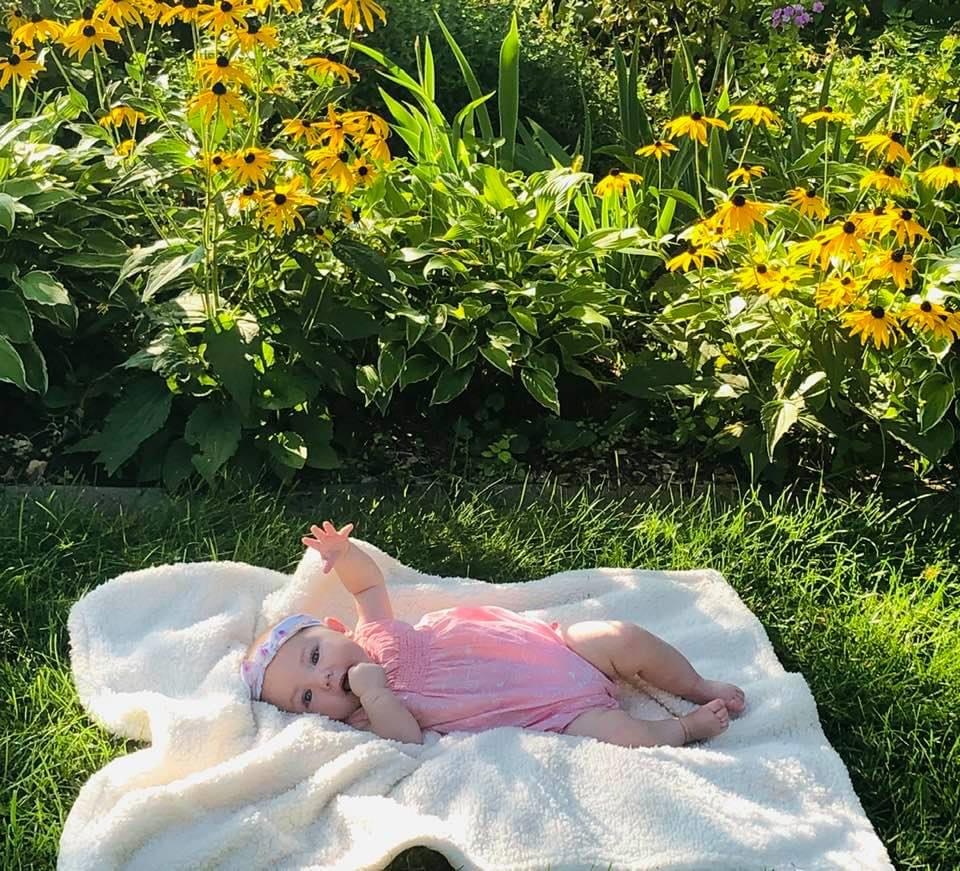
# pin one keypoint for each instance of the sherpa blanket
(230, 783)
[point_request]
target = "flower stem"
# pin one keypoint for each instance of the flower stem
(696, 163)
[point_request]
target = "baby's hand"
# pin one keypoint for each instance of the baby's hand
(366, 676)
(330, 543)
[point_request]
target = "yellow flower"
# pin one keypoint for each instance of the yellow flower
(333, 166)
(842, 240)
(278, 208)
(119, 12)
(746, 173)
(187, 11)
(884, 180)
(941, 175)
(326, 67)
(36, 28)
(126, 147)
(738, 215)
(892, 143)
(250, 165)
(809, 248)
(694, 125)
(360, 123)
(214, 163)
(375, 148)
(218, 100)
(693, 254)
(302, 129)
(874, 221)
(332, 131)
(901, 222)
(18, 65)
(122, 115)
(874, 324)
(932, 317)
(826, 113)
(220, 69)
(363, 171)
(288, 5)
(223, 14)
(658, 149)
(808, 203)
(15, 18)
(254, 34)
(80, 36)
(838, 291)
(759, 275)
(756, 114)
(247, 198)
(897, 264)
(616, 182)
(353, 9)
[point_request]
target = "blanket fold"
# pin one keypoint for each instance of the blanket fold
(234, 784)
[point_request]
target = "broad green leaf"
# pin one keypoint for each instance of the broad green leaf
(368, 383)
(15, 321)
(226, 354)
(169, 270)
(499, 357)
(778, 416)
(364, 260)
(288, 449)
(508, 91)
(34, 367)
(11, 366)
(390, 363)
(215, 429)
(450, 384)
(419, 367)
(7, 212)
(542, 387)
(936, 395)
(43, 288)
(526, 321)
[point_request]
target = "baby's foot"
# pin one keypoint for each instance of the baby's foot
(706, 721)
(731, 695)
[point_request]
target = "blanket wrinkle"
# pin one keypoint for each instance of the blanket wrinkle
(227, 783)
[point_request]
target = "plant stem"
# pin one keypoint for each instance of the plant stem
(826, 148)
(696, 163)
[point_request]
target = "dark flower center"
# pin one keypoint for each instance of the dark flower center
(878, 312)
(253, 26)
(845, 281)
(849, 227)
(226, 7)
(306, 125)
(762, 268)
(691, 248)
(223, 61)
(355, 214)
(696, 116)
(362, 171)
(89, 30)
(739, 200)
(906, 214)
(87, 14)
(826, 108)
(14, 60)
(249, 157)
(248, 190)
(219, 89)
(657, 142)
(878, 211)
(889, 171)
(343, 156)
(217, 160)
(925, 306)
(279, 199)
(811, 193)
(897, 137)
(614, 172)
(951, 162)
(897, 256)
(191, 4)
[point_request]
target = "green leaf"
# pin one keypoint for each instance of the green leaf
(442, 344)
(542, 387)
(495, 191)
(34, 367)
(368, 383)
(486, 128)
(364, 260)
(508, 91)
(288, 449)
(169, 270)
(11, 366)
(215, 429)
(936, 395)
(778, 416)
(43, 288)
(450, 384)
(649, 378)
(419, 367)
(7, 212)
(390, 363)
(15, 321)
(226, 354)
(527, 322)
(932, 445)
(499, 357)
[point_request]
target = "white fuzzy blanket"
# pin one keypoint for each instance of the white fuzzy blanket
(230, 783)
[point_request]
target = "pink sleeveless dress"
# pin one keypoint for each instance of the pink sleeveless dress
(473, 668)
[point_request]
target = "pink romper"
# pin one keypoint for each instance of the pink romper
(472, 668)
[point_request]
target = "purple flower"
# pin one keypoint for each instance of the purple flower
(803, 19)
(817, 6)
(787, 13)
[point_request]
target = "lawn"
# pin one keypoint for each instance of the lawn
(858, 594)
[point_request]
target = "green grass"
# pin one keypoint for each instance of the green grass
(859, 595)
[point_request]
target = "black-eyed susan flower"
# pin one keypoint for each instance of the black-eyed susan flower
(222, 69)
(692, 255)
(757, 114)
(250, 165)
(299, 128)
(738, 215)
(323, 66)
(707, 232)
(941, 175)
(37, 28)
(186, 11)
(252, 34)
(891, 143)
(279, 207)
(151, 10)
(88, 33)
(125, 148)
(808, 203)
(218, 100)
(214, 163)
(875, 323)
(332, 131)
(248, 197)
(901, 222)
(375, 148)
(119, 12)
(122, 115)
(838, 291)
(842, 240)
(616, 182)
(757, 275)
(885, 179)
(809, 248)
(826, 113)
(19, 65)
(360, 123)
(932, 318)
(746, 173)
(363, 171)
(287, 5)
(334, 166)
(659, 149)
(875, 221)
(694, 125)
(353, 10)
(223, 14)
(15, 18)
(898, 264)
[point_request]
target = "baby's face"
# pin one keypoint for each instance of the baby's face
(306, 675)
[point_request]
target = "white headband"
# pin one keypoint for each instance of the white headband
(253, 669)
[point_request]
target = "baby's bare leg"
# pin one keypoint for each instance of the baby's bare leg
(618, 727)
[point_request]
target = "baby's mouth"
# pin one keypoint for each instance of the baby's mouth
(345, 682)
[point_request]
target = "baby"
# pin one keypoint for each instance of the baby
(471, 668)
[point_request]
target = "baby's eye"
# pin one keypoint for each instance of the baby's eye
(315, 658)
(307, 698)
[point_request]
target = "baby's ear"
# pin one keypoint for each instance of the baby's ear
(336, 625)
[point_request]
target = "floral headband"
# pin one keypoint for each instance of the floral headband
(253, 669)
